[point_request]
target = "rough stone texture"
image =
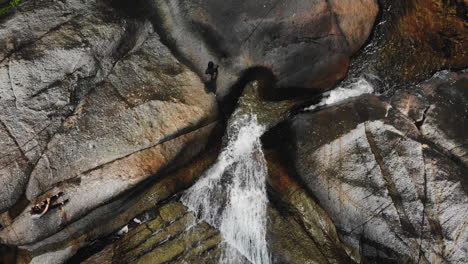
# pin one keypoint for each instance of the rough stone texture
(148, 99)
(414, 39)
(170, 234)
(43, 77)
(93, 107)
(137, 203)
(300, 231)
(446, 118)
(390, 190)
(56, 257)
(174, 235)
(439, 108)
(306, 44)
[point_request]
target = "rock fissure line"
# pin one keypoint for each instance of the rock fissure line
(53, 84)
(391, 187)
(335, 19)
(261, 21)
(420, 123)
(7, 130)
(317, 245)
(194, 245)
(161, 141)
(375, 214)
(423, 213)
(31, 42)
(439, 149)
(15, 98)
(170, 238)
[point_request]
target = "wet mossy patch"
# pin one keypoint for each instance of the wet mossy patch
(10, 6)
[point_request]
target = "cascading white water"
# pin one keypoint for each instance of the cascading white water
(358, 87)
(231, 195)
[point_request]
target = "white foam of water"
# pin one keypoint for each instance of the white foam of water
(360, 87)
(231, 195)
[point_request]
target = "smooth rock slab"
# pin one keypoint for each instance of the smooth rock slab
(133, 111)
(148, 99)
(446, 118)
(389, 194)
(43, 77)
(306, 44)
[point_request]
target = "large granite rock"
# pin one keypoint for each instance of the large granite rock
(92, 108)
(84, 237)
(299, 231)
(446, 118)
(43, 77)
(392, 178)
(306, 44)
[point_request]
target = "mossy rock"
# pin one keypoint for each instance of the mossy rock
(9, 6)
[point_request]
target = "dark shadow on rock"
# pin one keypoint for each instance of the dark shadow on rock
(7, 254)
(278, 139)
(266, 79)
(131, 9)
(268, 91)
(131, 197)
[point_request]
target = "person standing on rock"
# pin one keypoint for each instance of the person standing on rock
(212, 70)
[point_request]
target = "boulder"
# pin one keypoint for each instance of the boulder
(147, 100)
(299, 229)
(306, 44)
(438, 107)
(391, 191)
(44, 77)
(116, 107)
(446, 118)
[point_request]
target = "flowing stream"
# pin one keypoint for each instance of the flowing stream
(231, 195)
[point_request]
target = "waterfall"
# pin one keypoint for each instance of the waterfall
(231, 195)
(356, 88)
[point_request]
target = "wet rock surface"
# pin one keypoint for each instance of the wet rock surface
(174, 235)
(412, 40)
(108, 102)
(388, 176)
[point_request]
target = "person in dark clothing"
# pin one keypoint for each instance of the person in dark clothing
(212, 70)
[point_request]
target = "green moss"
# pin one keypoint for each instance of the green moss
(9, 7)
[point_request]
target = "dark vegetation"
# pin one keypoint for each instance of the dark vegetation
(10, 6)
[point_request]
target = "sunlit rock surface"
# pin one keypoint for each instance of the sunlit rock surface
(94, 107)
(49, 62)
(108, 102)
(393, 179)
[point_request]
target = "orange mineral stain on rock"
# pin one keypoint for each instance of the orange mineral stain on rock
(429, 36)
